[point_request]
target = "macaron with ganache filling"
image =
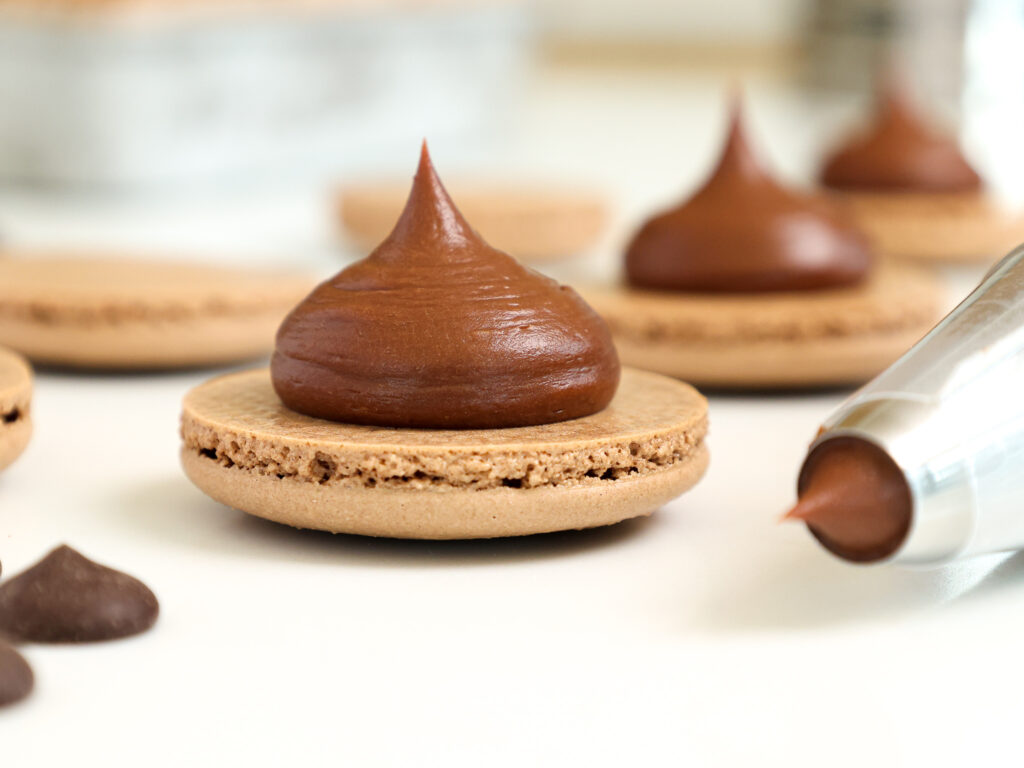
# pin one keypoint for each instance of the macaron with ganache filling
(749, 284)
(438, 389)
(913, 192)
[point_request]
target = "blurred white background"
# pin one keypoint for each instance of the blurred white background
(708, 635)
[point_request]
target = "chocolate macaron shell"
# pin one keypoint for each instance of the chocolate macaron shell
(742, 232)
(937, 228)
(67, 598)
(778, 340)
(16, 678)
(436, 329)
(94, 311)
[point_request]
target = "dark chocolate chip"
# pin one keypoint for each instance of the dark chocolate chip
(16, 678)
(67, 598)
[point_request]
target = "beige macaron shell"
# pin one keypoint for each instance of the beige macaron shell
(954, 228)
(124, 313)
(245, 449)
(773, 340)
(540, 222)
(15, 402)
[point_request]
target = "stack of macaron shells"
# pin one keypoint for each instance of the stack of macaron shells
(913, 192)
(94, 311)
(748, 284)
(511, 416)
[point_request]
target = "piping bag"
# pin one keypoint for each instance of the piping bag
(925, 464)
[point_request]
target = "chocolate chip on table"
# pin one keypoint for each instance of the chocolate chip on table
(16, 678)
(67, 598)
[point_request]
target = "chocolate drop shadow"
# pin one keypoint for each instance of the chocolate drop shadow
(814, 590)
(174, 511)
(1005, 576)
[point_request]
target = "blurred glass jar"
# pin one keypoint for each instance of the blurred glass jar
(136, 94)
(852, 42)
(964, 60)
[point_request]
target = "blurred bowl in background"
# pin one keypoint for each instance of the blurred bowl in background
(136, 95)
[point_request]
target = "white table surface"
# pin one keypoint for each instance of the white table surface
(708, 634)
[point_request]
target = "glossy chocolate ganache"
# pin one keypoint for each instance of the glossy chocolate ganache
(899, 152)
(436, 329)
(744, 232)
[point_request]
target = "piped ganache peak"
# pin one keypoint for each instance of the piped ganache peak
(900, 152)
(743, 232)
(436, 329)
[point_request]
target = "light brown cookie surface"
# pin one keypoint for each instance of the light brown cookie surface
(773, 340)
(537, 222)
(245, 449)
(15, 406)
(966, 227)
(121, 313)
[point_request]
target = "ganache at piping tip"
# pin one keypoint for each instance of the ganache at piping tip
(854, 499)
